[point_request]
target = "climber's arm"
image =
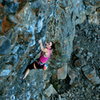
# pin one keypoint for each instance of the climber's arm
(42, 47)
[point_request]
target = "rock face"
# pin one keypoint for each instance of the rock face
(5, 45)
(90, 73)
(62, 72)
(74, 68)
(50, 90)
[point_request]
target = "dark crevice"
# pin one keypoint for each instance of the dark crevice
(61, 86)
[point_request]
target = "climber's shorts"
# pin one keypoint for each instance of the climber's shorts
(38, 65)
(30, 66)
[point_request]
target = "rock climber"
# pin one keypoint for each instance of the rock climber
(40, 63)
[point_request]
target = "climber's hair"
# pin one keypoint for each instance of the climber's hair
(53, 45)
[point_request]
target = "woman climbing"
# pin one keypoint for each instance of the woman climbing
(40, 63)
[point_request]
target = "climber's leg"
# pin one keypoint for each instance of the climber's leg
(26, 73)
(27, 70)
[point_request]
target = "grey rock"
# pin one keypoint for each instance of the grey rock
(28, 95)
(91, 75)
(63, 3)
(72, 74)
(15, 49)
(13, 19)
(62, 21)
(43, 97)
(0, 25)
(36, 4)
(1, 1)
(13, 59)
(50, 90)
(12, 97)
(40, 25)
(89, 55)
(11, 7)
(5, 72)
(62, 72)
(5, 45)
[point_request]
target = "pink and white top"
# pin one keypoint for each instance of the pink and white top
(44, 59)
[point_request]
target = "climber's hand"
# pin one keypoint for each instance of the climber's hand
(40, 41)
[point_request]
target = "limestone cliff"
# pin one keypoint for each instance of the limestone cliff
(74, 68)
